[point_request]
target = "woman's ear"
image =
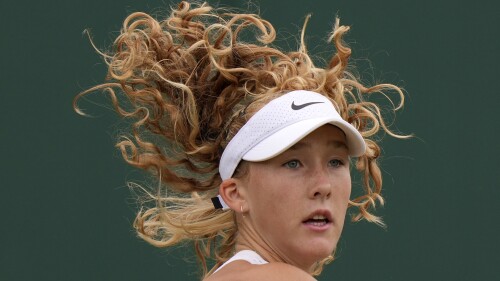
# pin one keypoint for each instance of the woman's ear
(233, 192)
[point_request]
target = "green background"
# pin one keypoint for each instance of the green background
(66, 213)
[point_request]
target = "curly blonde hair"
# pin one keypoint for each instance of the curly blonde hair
(189, 83)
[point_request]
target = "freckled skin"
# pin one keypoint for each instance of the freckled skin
(283, 192)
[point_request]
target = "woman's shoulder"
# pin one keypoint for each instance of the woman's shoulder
(280, 272)
(243, 271)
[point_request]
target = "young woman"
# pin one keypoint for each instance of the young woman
(252, 146)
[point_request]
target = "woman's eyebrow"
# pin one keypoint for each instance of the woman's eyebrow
(338, 144)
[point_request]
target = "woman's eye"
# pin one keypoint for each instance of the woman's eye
(335, 163)
(293, 164)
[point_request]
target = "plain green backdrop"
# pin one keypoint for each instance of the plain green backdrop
(66, 213)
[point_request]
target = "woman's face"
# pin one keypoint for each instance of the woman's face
(297, 201)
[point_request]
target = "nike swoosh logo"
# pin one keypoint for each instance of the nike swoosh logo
(300, 106)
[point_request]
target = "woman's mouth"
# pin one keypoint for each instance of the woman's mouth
(318, 221)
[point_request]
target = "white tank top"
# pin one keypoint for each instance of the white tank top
(246, 255)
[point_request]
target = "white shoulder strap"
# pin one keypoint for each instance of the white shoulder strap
(246, 255)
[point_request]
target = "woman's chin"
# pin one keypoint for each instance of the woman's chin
(319, 251)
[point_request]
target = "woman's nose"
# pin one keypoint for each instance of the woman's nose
(321, 184)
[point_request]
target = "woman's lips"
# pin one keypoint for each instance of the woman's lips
(319, 220)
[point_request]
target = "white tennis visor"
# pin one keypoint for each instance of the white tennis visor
(279, 125)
